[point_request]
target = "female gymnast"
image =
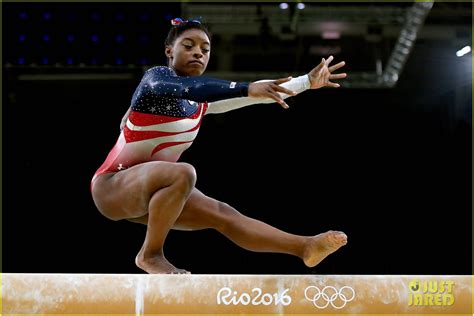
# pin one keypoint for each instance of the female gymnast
(141, 179)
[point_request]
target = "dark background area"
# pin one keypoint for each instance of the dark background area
(389, 167)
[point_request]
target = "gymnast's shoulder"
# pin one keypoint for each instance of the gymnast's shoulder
(161, 71)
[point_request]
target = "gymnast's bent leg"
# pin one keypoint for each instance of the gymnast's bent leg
(157, 190)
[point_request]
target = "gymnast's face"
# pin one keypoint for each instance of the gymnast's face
(190, 53)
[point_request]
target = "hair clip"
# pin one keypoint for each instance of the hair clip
(179, 21)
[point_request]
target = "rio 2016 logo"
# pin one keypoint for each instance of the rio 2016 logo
(338, 298)
(227, 296)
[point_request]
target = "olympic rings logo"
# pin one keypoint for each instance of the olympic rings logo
(329, 295)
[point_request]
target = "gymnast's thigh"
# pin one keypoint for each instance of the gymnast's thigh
(127, 193)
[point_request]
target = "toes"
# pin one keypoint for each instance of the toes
(342, 238)
(337, 237)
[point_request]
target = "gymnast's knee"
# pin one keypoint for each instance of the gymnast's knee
(185, 176)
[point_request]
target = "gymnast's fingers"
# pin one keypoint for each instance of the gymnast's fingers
(337, 66)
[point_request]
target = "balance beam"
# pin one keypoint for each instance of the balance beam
(235, 294)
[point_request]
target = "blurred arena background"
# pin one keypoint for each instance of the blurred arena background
(386, 158)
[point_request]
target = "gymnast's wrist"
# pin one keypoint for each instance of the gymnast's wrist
(308, 83)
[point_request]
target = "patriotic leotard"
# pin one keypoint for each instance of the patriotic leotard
(166, 113)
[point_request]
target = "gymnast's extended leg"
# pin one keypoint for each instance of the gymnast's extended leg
(201, 212)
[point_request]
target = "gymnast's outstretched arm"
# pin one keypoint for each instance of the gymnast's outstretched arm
(318, 77)
(163, 82)
(297, 85)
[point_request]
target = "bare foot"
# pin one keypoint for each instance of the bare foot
(320, 246)
(157, 265)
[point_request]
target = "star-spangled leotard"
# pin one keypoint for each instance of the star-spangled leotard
(166, 113)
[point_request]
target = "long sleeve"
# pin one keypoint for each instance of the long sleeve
(162, 81)
(298, 85)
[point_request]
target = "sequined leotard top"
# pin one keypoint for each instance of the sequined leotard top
(166, 113)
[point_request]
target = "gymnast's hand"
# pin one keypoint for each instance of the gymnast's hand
(321, 75)
(270, 90)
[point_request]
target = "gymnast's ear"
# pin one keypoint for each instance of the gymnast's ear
(169, 51)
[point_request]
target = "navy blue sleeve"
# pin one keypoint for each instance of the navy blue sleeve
(164, 82)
